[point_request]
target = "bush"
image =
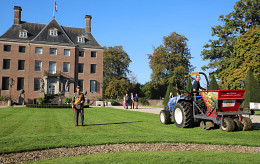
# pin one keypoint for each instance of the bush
(4, 98)
(99, 99)
(40, 100)
(169, 89)
(213, 85)
(113, 102)
(143, 101)
(51, 106)
(67, 100)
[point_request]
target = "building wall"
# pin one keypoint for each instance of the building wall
(87, 76)
(29, 72)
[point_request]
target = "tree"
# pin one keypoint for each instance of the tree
(246, 55)
(213, 85)
(115, 70)
(220, 52)
(170, 61)
(252, 89)
(189, 86)
(169, 89)
(117, 88)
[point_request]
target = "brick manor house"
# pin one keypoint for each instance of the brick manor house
(49, 59)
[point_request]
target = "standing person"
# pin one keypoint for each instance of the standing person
(136, 100)
(126, 101)
(170, 96)
(132, 101)
(196, 85)
(78, 105)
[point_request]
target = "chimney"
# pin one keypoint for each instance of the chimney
(17, 14)
(88, 23)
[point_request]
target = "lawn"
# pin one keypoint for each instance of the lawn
(24, 129)
(257, 112)
(161, 157)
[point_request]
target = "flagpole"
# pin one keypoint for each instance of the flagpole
(53, 8)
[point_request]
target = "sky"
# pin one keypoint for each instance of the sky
(137, 25)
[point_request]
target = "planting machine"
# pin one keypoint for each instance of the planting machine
(210, 109)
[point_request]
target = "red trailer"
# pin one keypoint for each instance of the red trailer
(223, 108)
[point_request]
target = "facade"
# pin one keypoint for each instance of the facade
(49, 59)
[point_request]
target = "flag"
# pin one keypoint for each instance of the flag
(55, 6)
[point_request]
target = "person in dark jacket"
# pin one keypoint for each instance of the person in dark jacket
(196, 85)
(78, 100)
(136, 101)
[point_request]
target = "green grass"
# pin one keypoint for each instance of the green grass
(24, 129)
(161, 157)
(257, 112)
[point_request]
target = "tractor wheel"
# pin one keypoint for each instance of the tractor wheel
(183, 115)
(247, 124)
(228, 125)
(238, 125)
(165, 117)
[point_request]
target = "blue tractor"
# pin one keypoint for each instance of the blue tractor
(209, 109)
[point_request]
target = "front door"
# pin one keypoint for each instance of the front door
(51, 89)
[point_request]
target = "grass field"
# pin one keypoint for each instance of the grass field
(161, 157)
(24, 129)
(257, 112)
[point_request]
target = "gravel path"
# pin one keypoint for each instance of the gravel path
(115, 148)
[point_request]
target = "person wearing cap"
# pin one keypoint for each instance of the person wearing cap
(78, 100)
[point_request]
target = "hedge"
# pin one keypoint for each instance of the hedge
(51, 106)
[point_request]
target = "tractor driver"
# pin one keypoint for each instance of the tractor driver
(196, 85)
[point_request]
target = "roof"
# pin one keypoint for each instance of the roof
(39, 33)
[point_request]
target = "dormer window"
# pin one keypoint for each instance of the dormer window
(23, 34)
(81, 39)
(53, 32)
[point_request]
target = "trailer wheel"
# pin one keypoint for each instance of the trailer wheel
(165, 117)
(228, 125)
(238, 125)
(247, 124)
(202, 125)
(182, 114)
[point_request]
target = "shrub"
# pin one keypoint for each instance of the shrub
(169, 89)
(40, 100)
(51, 106)
(67, 100)
(213, 85)
(4, 98)
(143, 101)
(113, 102)
(99, 99)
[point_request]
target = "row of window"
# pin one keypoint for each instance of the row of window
(52, 66)
(53, 51)
(37, 82)
(52, 32)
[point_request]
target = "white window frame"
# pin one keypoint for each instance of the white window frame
(68, 51)
(53, 32)
(68, 67)
(23, 34)
(52, 67)
(93, 82)
(39, 48)
(38, 66)
(81, 39)
(55, 51)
